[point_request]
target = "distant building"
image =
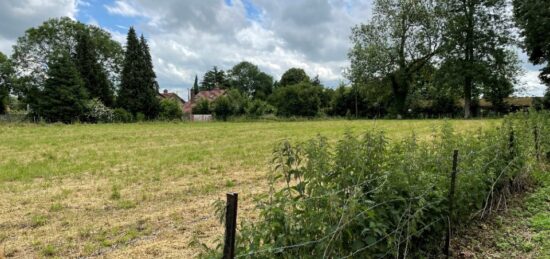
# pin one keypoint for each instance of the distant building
(165, 95)
(209, 95)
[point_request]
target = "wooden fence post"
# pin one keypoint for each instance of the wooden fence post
(451, 204)
(537, 144)
(230, 226)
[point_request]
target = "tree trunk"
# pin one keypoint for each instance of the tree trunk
(467, 96)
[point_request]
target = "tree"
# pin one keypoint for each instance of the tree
(214, 79)
(64, 97)
(170, 110)
(137, 92)
(302, 99)
(248, 78)
(92, 73)
(402, 37)
(532, 19)
(202, 107)
(477, 49)
(293, 76)
(6, 81)
(195, 89)
(33, 50)
(221, 107)
(151, 105)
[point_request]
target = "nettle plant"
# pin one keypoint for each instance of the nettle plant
(369, 196)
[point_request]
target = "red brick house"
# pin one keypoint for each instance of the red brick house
(209, 95)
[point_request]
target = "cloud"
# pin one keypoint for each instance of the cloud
(530, 84)
(122, 8)
(16, 16)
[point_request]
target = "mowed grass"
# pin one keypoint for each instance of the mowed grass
(145, 190)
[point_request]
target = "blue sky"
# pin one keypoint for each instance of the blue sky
(189, 37)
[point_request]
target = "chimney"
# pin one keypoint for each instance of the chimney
(165, 91)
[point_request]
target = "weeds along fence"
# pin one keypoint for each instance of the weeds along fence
(369, 197)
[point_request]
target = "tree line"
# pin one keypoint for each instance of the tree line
(435, 57)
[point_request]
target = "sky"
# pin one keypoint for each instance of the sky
(189, 37)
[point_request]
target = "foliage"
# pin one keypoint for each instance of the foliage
(532, 19)
(170, 110)
(259, 108)
(399, 40)
(33, 51)
(366, 197)
(6, 81)
(95, 78)
(248, 78)
(96, 111)
(195, 89)
(301, 99)
(121, 115)
(476, 50)
(214, 78)
(293, 76)
(202, 107)
(221, 108)
(138, 89)
(64, 96)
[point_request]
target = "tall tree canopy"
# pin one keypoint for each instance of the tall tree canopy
(138, 87)
(248, 78)
(64, 96)
(477, 54)
(293, 76)
(6, 81)
(399, 40)
(92, 73)
(533, 19)
(215, 78)
(33, 50)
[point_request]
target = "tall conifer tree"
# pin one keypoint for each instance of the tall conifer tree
(92, 73)
(64, 96)
(138, 88)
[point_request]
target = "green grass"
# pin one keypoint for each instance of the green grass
(521, 232)
(30, 151)
(88, 187)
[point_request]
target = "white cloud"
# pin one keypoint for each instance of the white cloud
(530, 84)
(123, 8)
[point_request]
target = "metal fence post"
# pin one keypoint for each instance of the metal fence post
(230, 226)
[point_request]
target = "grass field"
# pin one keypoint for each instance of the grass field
(144, 190)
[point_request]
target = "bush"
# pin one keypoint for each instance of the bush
(170, 110)
(202, 107)
(221, 108)
(98, 112)
(258, 108)
(121, 115)
(140, 117)
(365, 196)
(297, 100)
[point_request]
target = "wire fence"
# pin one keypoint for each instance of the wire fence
(402, 235)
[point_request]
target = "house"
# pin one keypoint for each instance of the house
(209, 95)
(165, 95)
(515, 103)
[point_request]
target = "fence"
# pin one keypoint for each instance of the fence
(448, 217)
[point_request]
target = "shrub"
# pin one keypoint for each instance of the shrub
(170, 110)
(98, 112)
(140, 117)
(221, 108)
(121, 115)
(258, 108)
(202, 107)
(365, 197)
